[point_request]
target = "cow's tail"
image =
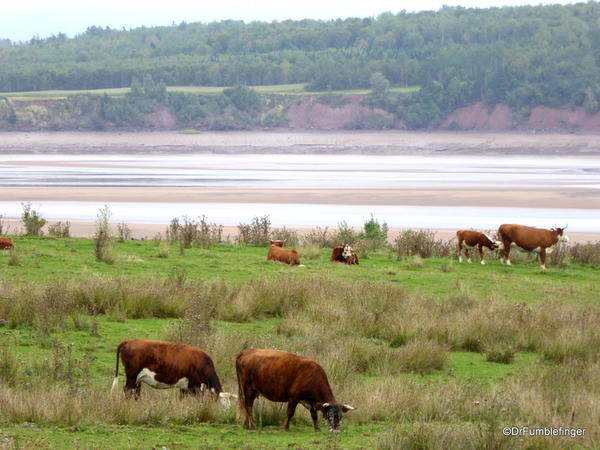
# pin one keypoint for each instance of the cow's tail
(115, 383)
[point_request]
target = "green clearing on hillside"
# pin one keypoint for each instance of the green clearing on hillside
(288, 89)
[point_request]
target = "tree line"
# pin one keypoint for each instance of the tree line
(522, 57)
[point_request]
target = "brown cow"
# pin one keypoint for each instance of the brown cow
(537, 240)
(6, 243)
(285, 377)
(284, 255)
(344, 254)
(164, 365)
(470, 239)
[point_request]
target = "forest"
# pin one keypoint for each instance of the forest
(519, 56)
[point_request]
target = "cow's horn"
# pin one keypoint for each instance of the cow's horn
(565, 226)
(325, 405)
(350, 408)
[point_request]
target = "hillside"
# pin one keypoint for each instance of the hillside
(523, 58)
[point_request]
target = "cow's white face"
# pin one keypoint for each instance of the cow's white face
(347, 253)
(563, 238)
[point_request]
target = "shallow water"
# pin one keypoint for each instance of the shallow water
(300, 171)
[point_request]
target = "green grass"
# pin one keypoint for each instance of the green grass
(44, 259)
(88, 343)
(297, 89)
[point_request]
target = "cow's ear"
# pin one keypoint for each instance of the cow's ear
(346, 408)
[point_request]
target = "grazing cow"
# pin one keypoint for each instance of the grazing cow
(537, 240)
(164, 365)
(284, 255)
(344, 254)
(284, 377)
(470, 239)
(6, 243)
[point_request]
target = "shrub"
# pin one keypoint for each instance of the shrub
(345, 234)
(422, 243)
(586, 253)
(256, 232)
(60, 229)
(319, 237)
(32, 221)
(102, 249)
(291, 237)
(14, 259)
(123, 232)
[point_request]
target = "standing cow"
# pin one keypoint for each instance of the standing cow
(471, 239)
(164, 365)
(6, 243)
(285, 377)
(284, 255)
(537, 240)
(344, 254)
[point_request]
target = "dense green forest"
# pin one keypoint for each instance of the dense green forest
(522, 57)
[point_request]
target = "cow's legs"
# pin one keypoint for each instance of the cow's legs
(249, 398)
(291, 409)
(505, 255)
(543, 258)
(481, 261)
(468, 255)
(460, 249)
(132, 387)
(315, 418)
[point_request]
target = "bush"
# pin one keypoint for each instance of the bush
(586, 253)
(257, 232)
(291, 237)
(32, 221)
(102, 249)
(60, 229)
(319, 237)
(345, 234)
(123, 232)
(422, 243)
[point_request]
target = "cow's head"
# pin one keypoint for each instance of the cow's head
(333, 413)
(347, 252)
(277, 243)
(491, 243)
(560, 233)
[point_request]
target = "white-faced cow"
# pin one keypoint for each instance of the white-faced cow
(164, 365)
(471, 239)
(285, 377)
(344, 254)
(537, 240)
(284, 255)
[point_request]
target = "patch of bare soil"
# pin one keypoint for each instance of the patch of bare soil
(479, 117)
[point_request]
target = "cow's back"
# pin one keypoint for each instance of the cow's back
(279, 375)
(172, 360)
(528, 238)
(470, 237)
(336, 254)
(285, 255)
(6, 243)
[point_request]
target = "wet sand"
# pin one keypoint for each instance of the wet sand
(357, 142)
(568, 198)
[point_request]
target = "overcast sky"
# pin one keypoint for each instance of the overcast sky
(20, 20)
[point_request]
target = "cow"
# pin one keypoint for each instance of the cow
(344, 254)
(285, 377)
(537, 240)
(284, 255)
(6, 244)
(164, 365)
(471, 239)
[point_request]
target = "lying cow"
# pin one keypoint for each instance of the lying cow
(6, 243)
(537, 240)
(284, 377)
(164, 365)
(284, 255)
(471, 239)
(344, 254)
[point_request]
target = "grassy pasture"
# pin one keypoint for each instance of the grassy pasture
(407, 344)
(297, 89)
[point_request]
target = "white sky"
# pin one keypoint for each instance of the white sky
(20, 20)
